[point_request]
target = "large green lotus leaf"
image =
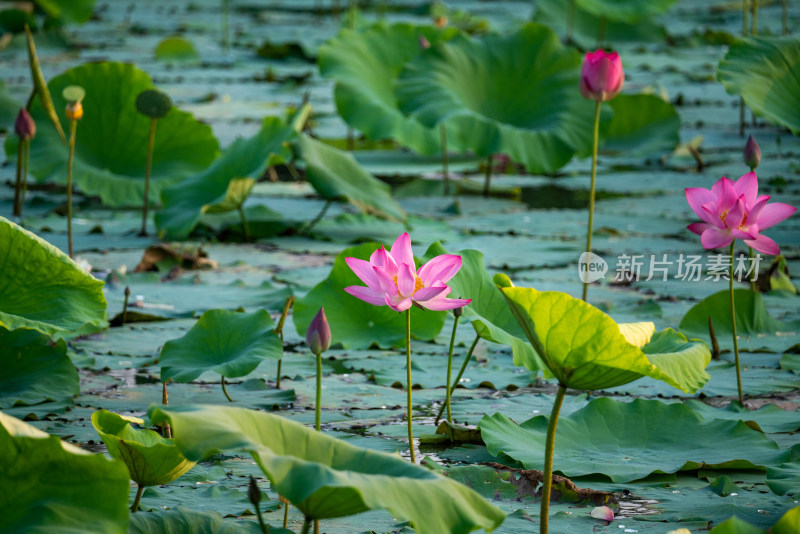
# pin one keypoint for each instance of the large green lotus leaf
(765, 72)
(227, 342)
(514, 94)
(490, 315)
(586, 349)
(789, 523)
(357, 324)
(326, 477)
(151, 459)
(34, 370)
(769, 418)
(629, 11)
(336, 175)
(184, 520)
(785, 478)
(42, 288)
(111, 146)
(54, 487)
(365, 65)
(629, 440)
(186, 201)
(72, 11)
(643, 125)
(734, 525)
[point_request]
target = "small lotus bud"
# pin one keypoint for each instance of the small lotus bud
(318, 336)
(752, 153)
(602, 512)
(74, 111)
(602, 76)
(253, 493)
(25, 127)
(458, 312)
(424, 44)
(502, 280)
(127, 291)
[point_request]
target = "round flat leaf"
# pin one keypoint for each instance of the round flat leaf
(587, 350)
(176, 49)
(153, 103)
(43, 289)
(151, 459)
(34, 370)
(326, 477)
(643, 125)
(183, 519)
(629, 440)
(357, 324)
(56, 487)
(111, 146)
(365, 65)
(513, 94)
(226, 342)
(785, 478)
(764, 72)
(734, 525)
(67, 11)
(629, 11)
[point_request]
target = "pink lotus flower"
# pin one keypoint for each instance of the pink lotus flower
(601, 76)
(734, 210)
(392, 281)
(318, 335)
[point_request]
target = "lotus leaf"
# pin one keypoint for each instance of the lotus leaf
(326, 477)
(645, 125)
(111, 150)
(491, 91)
(77, 11)
(151, 459)
(629, 440)
(764, 72)
(227, 342)
(629, 11)
(176, 49)
(184, 520)
(585, 349)
(34, 370)
(54, 487)
(784, 479)
(42, 288)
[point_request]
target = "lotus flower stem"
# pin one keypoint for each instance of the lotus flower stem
(150, 142)
(73, 126)
(25, 158)
(307, 228)
(306, 526)
(713, 336)
(286, 514)
(488, 178)
(316, 526)
(445, 162)
(264, 528)
(279, 331)
(548, 459)
(165, 402)
(733, 326)
(745, 9)
(245, 225)
(754, 276)
(125, 305)
(225, 391)
(459, 375)
(319, 391)
(408, 384)
(450, 368)
(785, 18)
(139, 491)
(754, 17)
(18, 183)
(592, 187)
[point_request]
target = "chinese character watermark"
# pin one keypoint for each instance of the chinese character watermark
(685, 267)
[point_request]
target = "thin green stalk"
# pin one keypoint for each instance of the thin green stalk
(264, 528)
(165, 402)
(73, 126)
(753, 276)
(351, 20)
(733, 325)
(25, 159)
(224, 26)
(316, 526)
(307, 228)
(754, 18)
(285, 514)
(785, 18)
(592, 187)
(125, 305)
(245, 225)
(745, 9)
(306, 526)
(18, 182)
(279, 331)
(450, 368)
(459, 375)
(148, 169)
(488, 178)
(548, 460)
(139, 491)
(319, 390)
(408, 384)
(224, 390)
(445, 161)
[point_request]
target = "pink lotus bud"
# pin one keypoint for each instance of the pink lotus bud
(424, 44)
(752, 153)
(602, 512)
(601, 76)
(25, 127)
(318, 335)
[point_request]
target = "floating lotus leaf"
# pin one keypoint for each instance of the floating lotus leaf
(365, 65)
(70, 11)
(765, 72)
(183, 519)
(153, 103)
(585, 349)
(54, 487)
(629, 440)
(643, 125)
(111, 150)
(325, 477)
(176, 49)
(629, 11)
(225, 342)
(512, 94)
(43, 289)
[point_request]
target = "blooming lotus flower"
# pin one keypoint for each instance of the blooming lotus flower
(734, 210)
(601, 76)
(392, 280)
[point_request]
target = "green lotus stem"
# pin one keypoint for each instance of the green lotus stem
(785, 18)
(488, 178)
(306, 526)
(279, 331)
(592, 187)
(733, 325)
(25, 158)
(319, 390)
(73, 126)
(224, 25)
(285, 514)
(445, 161)
(754, 275)
(450, 368)
(316, 219)
(745, 9)
(408, 384)
(225, 391)
(125, 305)
(18, 182)
(165, 402)
(458, 376)
(245, 225)
(264, 528)
(570, 20)
(548, 459)
(601, 31)
(148, 169)
(754, 18)
(139, 491)
(316, 526)
(351, 18)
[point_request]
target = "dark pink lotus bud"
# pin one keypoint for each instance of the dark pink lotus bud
(318, 335)
(25, 126)
(424, 44)
(601, 76)
(752, 153)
